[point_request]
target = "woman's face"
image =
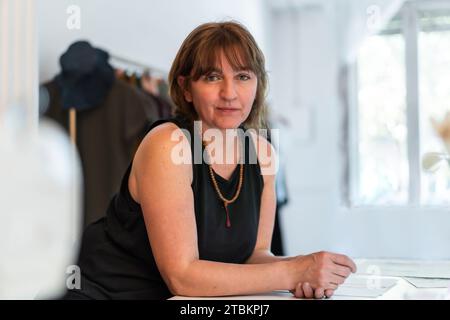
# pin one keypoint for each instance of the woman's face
(223, 98)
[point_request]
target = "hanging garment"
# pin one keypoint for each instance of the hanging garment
(165, 108)
(159, 92)
(107, 138)
(86, 76)
(112, 118)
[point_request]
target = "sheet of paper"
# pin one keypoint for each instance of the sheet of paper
(369, 281)
(368, 286)
(428, 283)
(359, 292)
(405, 268)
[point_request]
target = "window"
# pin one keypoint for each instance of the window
(402, 80)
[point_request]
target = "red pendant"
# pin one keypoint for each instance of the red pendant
(228, 215)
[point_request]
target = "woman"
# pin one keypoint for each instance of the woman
(180, 226)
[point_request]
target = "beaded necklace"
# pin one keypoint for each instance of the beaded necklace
(226, 202)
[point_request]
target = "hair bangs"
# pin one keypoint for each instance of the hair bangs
(209, 57)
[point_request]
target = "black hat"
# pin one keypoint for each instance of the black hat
(86, 76)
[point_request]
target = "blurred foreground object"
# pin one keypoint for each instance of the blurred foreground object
(39, 171)
(40, 214)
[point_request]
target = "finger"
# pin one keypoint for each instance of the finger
(299, 294)
(293, 290)
(319, 293)
(337, 280)
(329, 293)
(307, 290)
(332, 285)
(299, 291)
(342, 271)
(344, 261)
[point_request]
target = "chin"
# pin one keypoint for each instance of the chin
(229, 123)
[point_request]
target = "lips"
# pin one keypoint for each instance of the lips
(227, 109)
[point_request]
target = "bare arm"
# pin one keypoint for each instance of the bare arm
(265, 256)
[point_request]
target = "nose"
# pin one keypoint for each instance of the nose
(228, 90)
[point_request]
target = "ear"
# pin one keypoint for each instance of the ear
(182, 83)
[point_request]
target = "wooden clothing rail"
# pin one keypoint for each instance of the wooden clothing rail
(73, 125)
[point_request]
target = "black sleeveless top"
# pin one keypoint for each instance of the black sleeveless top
(116, 259)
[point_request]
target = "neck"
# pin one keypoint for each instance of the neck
(224, 142)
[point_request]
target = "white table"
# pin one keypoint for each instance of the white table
(403, 289)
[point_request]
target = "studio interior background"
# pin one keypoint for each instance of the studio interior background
(358, 90)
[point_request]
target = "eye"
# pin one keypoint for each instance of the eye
(244, 77)
(212, 77)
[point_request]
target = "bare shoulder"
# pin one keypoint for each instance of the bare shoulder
(165, 135)
(165, 148)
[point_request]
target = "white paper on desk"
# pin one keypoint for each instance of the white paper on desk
(428, 283)
(359, 292)
(369, 281)
(367, 286)
(405, 268)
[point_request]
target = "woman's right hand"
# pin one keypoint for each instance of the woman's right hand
(319, 274)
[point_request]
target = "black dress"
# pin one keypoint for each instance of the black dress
(116, 259)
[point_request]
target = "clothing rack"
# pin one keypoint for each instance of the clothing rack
(145, 68)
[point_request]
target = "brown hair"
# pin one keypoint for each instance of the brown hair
(199, 55)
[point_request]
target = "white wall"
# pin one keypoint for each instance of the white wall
(307, 88)
(303, 87)
(143, 30)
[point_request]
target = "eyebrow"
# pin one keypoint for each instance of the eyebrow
(220, 70)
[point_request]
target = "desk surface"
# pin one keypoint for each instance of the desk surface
(402, 289)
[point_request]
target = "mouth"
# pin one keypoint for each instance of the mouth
(227, 109)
